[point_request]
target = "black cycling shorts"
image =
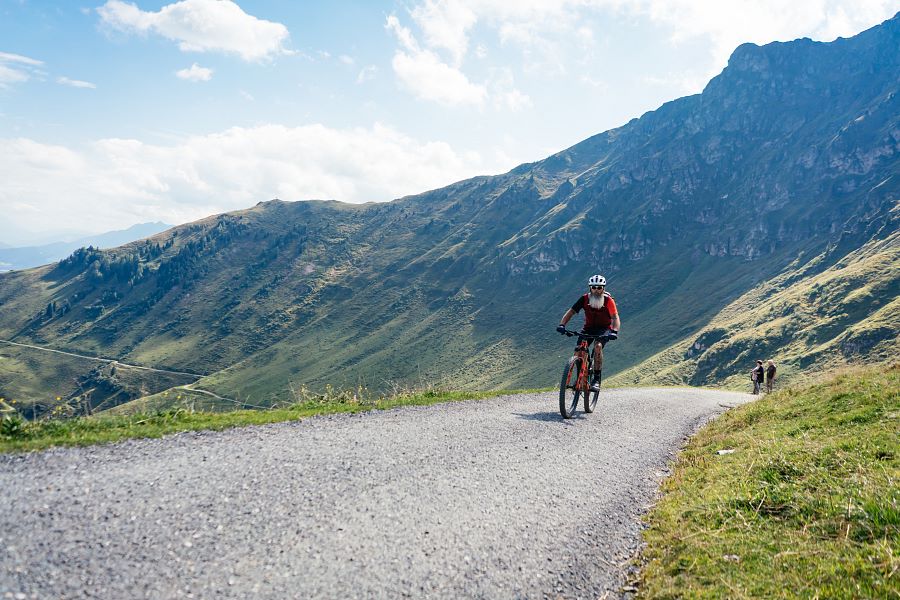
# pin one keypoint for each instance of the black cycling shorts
(593, 331)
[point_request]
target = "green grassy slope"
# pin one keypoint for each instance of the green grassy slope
(38, 383)
(157, 417)
(806, 506)
(810, 318)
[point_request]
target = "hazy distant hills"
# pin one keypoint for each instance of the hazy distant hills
(25, 257)
(758, 219)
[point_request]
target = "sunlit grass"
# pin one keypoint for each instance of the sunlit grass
(809, 319)
(807, 505)
(16, 434)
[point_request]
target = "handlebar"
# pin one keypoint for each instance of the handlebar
(588, 336)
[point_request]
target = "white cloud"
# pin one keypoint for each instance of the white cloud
(367, 74)
(15, 68)
(117, 182)
(195, 73)
(504, 94)
(428, 78)
(10, 75)
(75, 83)
(529, 24)
(513, 100)
(446, 25)
(730, 23)
(424, 74)
(6, 57)
(551, 34)
(347, 60)
(202, 26)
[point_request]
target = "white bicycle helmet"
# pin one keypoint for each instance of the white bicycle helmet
(597, 280)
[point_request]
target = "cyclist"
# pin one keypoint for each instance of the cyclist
(600, 316)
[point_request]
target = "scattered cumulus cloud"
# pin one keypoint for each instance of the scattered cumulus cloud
(15, 68)
(202, 26)
(428, 78)
(512, 100)
(75, 83)
(195, 73)
(727, 24)
(423, 73)
(552, 35)
(114, 182)
(347, 60)
(446, 25)
(6, 57)
(504, 94)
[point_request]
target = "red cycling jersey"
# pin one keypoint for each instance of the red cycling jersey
(596, 318)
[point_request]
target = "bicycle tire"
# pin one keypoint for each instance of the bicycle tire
(590, 398)
(568, 395)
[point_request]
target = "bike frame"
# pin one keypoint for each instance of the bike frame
(587, 361)
(587, 358)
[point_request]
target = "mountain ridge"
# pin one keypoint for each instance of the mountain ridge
(26, 257)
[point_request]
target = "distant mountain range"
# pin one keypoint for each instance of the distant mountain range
(26, 257)
(758, 219)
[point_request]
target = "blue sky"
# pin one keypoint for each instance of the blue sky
(113, 112)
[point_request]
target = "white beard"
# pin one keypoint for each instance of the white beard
(595, 301)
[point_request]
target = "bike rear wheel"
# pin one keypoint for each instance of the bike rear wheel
(568, 394)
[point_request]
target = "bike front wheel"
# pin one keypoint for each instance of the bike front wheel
(569, 394)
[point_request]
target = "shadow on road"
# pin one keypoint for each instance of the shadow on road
(546, 416)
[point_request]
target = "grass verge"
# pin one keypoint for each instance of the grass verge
(19, 435)
(806, 506)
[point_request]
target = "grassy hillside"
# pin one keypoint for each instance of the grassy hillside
(813, 317)
(157, 416)
(807, 504)
(38, 383)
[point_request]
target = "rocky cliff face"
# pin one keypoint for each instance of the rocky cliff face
(792, 142)
(788, 155)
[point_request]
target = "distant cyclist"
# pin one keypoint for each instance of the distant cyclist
(600, 316)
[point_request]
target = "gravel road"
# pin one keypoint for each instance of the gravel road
(495, 498)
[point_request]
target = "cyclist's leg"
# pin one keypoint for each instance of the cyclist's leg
(598, 357)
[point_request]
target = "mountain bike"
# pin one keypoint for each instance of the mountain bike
(575, 382)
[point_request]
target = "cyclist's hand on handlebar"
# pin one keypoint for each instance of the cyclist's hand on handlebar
(561, 329)
(613, 334)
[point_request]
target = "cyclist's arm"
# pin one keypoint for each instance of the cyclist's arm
(615, 322)
(565, 318)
